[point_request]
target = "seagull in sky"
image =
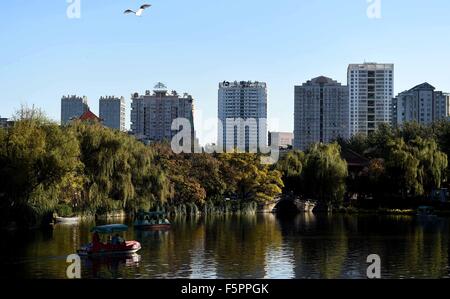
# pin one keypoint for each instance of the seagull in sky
(139, 12)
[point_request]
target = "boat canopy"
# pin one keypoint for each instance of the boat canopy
(151, 214)
(110, 229)
(426, 208)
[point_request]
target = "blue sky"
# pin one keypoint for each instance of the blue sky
(193, 45)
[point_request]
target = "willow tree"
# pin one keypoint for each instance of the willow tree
(358, 143)
(291, 166)
(442, 132)
(39, 161)
(151, 184)
(410, 131)
(324, 173)
(118, 170)
(433, 163)
(415, 168)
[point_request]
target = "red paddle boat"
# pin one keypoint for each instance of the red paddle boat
(116, 245)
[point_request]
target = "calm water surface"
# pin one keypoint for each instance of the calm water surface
(262, 246)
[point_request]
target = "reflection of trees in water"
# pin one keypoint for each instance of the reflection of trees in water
(111, 267)
(170, 253)
(240, 243)
(408, 247)
(315, 246)
(320, 245)
(426, 250)
(220, 246)
(51, 248)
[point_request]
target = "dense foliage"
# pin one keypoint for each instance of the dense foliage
(87, 168)
(409, 162)
(319, 173)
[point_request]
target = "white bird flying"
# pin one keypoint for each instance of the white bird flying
(139, 12)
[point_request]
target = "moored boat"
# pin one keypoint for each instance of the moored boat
(115, 245)
(67, 220)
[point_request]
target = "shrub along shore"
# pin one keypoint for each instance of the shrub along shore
(87, 169)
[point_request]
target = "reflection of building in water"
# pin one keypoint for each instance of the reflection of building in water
(240, 244)
(202, 266)
(320, 254)
(280, 262)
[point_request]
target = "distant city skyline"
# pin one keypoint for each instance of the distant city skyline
(47, 55)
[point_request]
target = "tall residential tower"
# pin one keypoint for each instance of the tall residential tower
(112, 112)
(152, 114)
(242, 115)
(321, 112)
(371, 88)
(72, 107)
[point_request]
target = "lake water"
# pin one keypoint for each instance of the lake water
(262, 246)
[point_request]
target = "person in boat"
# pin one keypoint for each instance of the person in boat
(166, 221)
(153, 221)
(95, 238)
(115, 240)
(96, 242)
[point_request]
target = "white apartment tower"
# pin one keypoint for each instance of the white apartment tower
(242, 115)
(371, 88)
(112, 112)
(321, 112)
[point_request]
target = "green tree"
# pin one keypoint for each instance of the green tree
(357, 143)
(39, 162)
(119, 171)
(250, 180)
(324, 173)
(291, 167)
(415, 168)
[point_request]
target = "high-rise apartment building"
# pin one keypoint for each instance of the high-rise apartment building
(242, 114)
(152, 114)
(112, 112)
(321, 112)
(371, 88)
(421, 104)
(72, 107)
